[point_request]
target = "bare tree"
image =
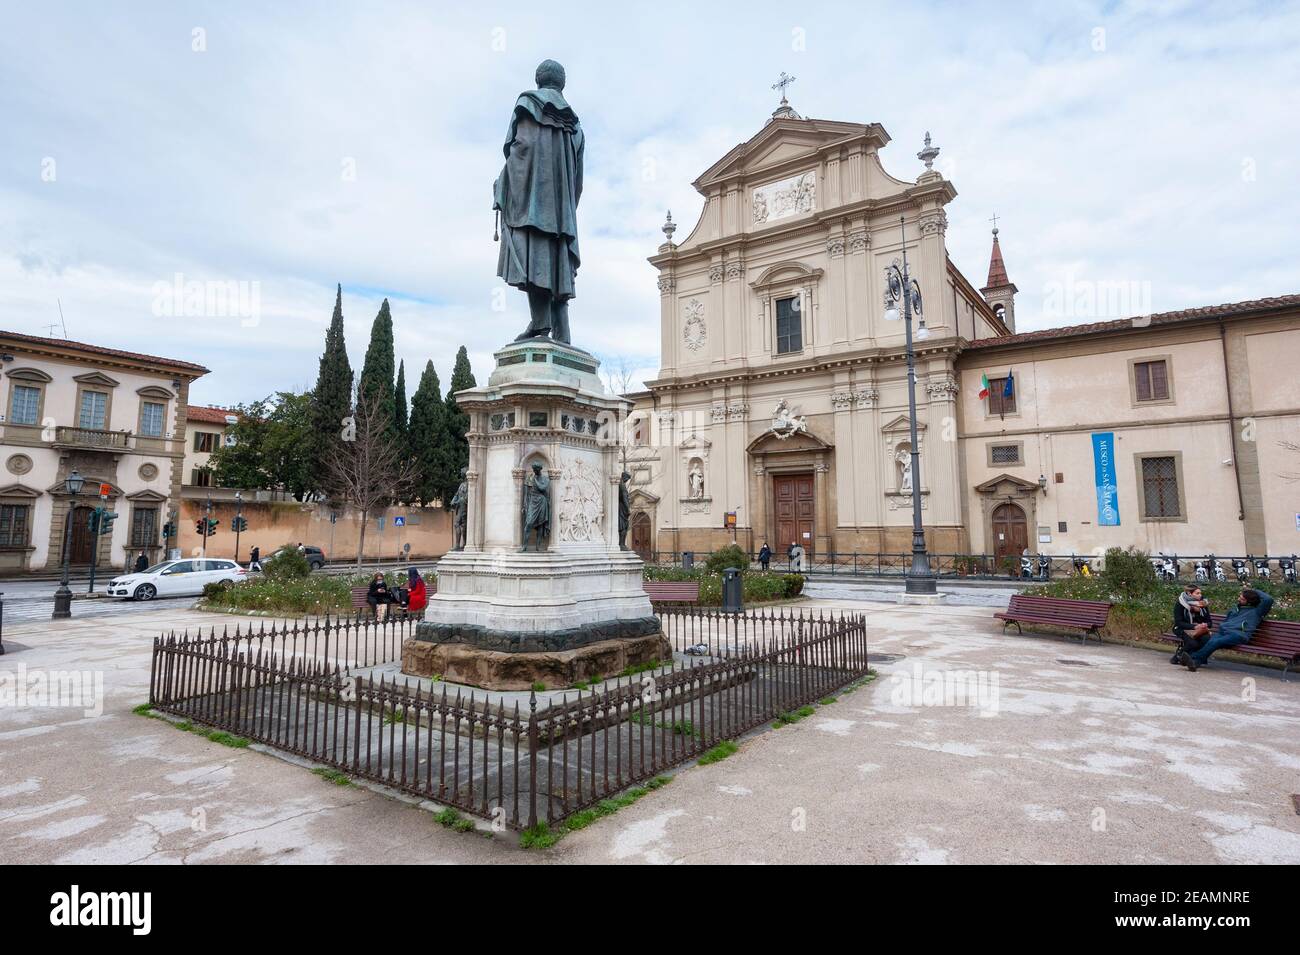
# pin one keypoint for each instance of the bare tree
(618, 372)
(369, 468)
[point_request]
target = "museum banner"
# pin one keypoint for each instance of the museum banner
(1103, 460)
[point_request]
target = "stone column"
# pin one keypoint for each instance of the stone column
(821, 523)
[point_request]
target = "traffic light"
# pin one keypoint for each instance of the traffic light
(200, 527)
(169, 530)
(94, 520)
(212, 525)
(106, 520)
(238, 524)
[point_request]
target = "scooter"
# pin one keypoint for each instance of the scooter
(1239, 568)
(1026, 567)
(1209, 568)
(1261, 567)
(1286, 567)
(1044, 566)
(1082, 567)
(1166, 567)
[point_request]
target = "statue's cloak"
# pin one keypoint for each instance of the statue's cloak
(537, 194)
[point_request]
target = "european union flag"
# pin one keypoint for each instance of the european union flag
(1009, 388)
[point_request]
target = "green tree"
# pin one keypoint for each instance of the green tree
(399, 403)
(428, 435)
(375, 386)
(455, 454)
(264, 447)
(331, 399)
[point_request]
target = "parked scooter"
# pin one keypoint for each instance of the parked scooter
(1210, 569)
(1239, 568)
(1261, 567)
(1081, 567)
(1166, 567)
(1044, 566)
(1026, 567)
(1202, 571)
(1286, 567)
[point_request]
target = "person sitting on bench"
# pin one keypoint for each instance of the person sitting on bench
(1192, 623)
(379, 596)
(1237, 627)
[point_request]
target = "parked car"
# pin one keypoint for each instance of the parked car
(176, 578)
(315, 556)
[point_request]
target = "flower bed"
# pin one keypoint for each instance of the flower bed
(759, 586)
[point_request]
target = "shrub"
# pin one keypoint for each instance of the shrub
(733, 555)
(758, 587)
(215, 589)
(793, 585)
(1128, 571)
(286, 564)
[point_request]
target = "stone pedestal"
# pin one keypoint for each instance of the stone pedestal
(543, 404)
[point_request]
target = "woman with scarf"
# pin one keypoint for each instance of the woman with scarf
(1192, 622)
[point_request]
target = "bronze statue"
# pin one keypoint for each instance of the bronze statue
(537, 509)
(624, 510)
(536, 200)
(459, 509)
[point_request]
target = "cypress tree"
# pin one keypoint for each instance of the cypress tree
(332, 397)
(455, 448)
(428, 430)
(399, 403)
(376, 381)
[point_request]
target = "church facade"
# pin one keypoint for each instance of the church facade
(780, 411)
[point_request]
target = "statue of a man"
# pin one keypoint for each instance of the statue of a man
(537, 509)
(459, 509)
(904, 459)
(696, 480)
(536, 197)
(624, 510)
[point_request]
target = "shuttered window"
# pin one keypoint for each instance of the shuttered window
(13, 525)
(1151, 380)
(999, 403)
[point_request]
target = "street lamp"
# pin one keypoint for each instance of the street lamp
(920, 578)
(63, 596)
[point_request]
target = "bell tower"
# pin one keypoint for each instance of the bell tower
(1000, 292)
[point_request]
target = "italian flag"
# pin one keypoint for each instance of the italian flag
(984, 386)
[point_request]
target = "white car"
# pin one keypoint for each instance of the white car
(176, 578)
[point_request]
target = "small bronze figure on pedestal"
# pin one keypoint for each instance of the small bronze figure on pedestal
(624, 510)
(459, 511)
(537, 509)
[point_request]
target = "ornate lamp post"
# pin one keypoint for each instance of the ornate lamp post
(920, 578)
(63, 596)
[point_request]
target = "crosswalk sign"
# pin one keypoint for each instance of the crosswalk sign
(399, 521)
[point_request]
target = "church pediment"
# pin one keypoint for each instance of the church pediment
(786, 142)
(1006, 483)
(771, 442)
(902, 423)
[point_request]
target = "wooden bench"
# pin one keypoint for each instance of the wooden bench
(1274, 638)
(1086, 615)
(360, 606)
(672, 592)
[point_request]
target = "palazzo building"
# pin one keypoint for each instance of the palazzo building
(780, 410)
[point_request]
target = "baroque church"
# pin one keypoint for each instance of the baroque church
(780, 410)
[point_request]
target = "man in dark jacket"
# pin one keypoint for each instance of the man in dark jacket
(1237, 627)
(764, 556)
(141, 563)
(1192, 623)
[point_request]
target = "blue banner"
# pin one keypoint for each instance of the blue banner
(1103, 460)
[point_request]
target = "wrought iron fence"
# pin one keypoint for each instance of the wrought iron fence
(508, 756)
(1005, 567)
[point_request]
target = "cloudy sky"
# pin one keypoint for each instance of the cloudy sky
(1151, 147)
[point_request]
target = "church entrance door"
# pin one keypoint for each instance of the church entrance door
(1010, 532)
(639, 532)
(794, 499)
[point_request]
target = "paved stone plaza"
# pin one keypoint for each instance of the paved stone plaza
(1046, 752)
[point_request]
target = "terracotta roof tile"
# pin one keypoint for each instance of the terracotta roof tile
(1260, 305)
(206, 414)
(101, 350)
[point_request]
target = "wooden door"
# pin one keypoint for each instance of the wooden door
(639, 533)
(1010, 532)
(82, 539)
(795, 511)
